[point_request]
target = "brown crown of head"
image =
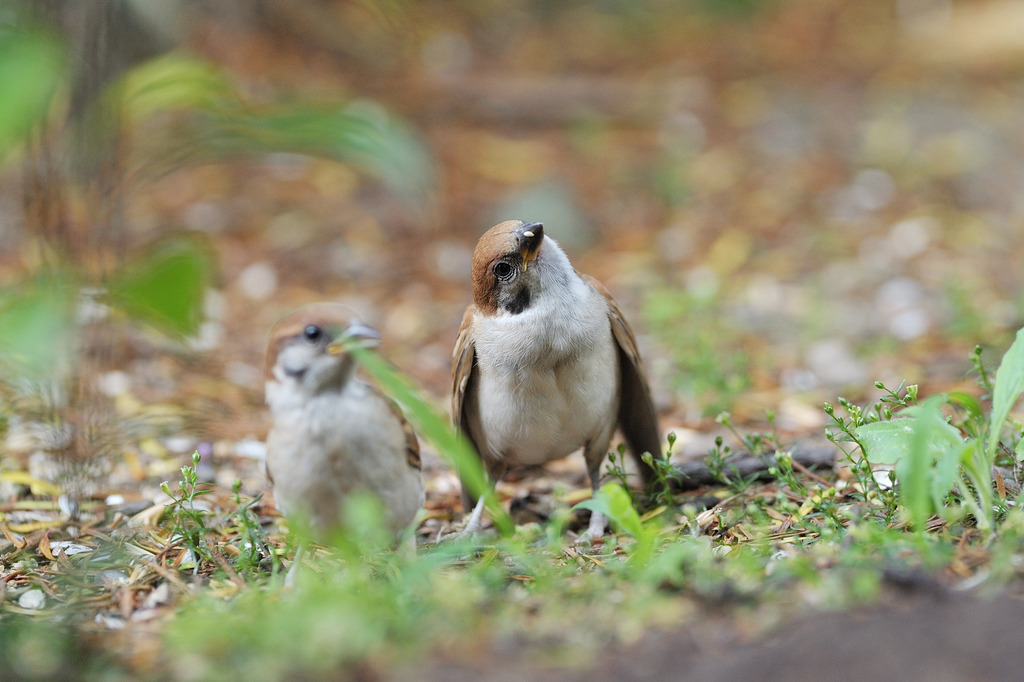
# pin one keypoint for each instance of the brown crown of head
(512, 240)
(333, 318)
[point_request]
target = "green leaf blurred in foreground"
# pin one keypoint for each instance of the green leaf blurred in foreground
(35, 326)
(214, 122)
(165, 287)
(430, 424)
(32, 66)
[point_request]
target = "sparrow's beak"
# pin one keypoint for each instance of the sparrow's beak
(530, 237)
(357, 333)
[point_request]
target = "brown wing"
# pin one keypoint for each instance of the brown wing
(463, 364)
(412, 444)
(463, 369)
(638, 419)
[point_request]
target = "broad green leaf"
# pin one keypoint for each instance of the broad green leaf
(214, 122)
(435, 427)
(1008, 387)
(946, 472)
(926, 451)
(889, 442)
(886, 442)
(969, 403)
(929, 440)
(165, 287)
(32, 66)
(978, 496)
(359, 133)
(614, 502)
(35, 327)
(169, 83)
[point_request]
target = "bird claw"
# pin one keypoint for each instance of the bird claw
(289, 577)
(595, 530)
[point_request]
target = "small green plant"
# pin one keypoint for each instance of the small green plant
(614, 501)
(616, 467)
(188, 522)
(666, 475)
(254, 552)
(866, 488)
(717, 461)
(936, 454)
(784, 472)
(757, 443)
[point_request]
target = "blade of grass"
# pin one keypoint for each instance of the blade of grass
(1009, 385)
(429, 422)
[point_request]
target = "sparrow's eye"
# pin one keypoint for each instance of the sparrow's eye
(502, 270)
(313, 333)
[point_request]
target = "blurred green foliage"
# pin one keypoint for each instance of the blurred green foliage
(174, 110)
(432, 425)
(166, 285)
(37, 649)
(34, 65)
(708, 366)
(182, 110)
(35, 326)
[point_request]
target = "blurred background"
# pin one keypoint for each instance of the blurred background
(790, 200)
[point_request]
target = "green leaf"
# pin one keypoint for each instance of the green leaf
(33, 66)
(360, 134)
(165, 287)
(915, 472)
(970, 405)
(170, 83)
(35, 327)
(890, 442)
(614, 502)
(214, 122)
(436, 428)
(886, 442)
(1008, 387)
(926, 451)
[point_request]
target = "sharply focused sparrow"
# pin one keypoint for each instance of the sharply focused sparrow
(332, 434)
(545, 363)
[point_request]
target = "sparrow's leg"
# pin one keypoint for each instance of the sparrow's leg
(495, 471)
(594, 456)
(473, 525)
(289, 577)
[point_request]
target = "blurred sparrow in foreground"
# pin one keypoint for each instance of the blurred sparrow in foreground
(545, 364)
(332, 434)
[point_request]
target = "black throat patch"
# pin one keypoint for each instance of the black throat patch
(516, 302)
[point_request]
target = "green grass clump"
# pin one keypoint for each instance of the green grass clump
(795, 541)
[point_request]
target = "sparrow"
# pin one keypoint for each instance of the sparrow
(332, 434)
(545, 364)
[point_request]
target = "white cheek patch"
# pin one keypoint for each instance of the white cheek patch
(293, 361)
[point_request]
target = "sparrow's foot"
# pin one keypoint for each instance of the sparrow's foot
(472, 528)
(595, 529)
(289, 577)
(474, 523)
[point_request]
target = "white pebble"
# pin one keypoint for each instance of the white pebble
(32, 599)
